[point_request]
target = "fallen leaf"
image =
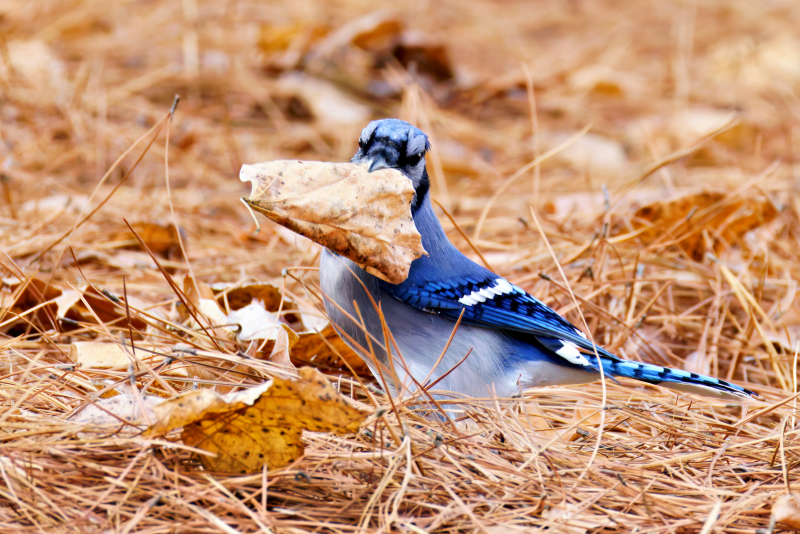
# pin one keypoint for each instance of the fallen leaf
(378, 36)
(38, 64)
(281, 37)
(56, 203)
(331, 108)
(786, 510)
(699, 122)
(160, 238)
(255, 322)
(758, 63)
(533, 417)
(121, 259)
(283, 342)
(245, 322)
(375, 31)
(211, 310)
(603, 80)
(257, 426)
(18, 296)
(202, 298)
(239, 296)
(788, 338)
(320, 350)
(66, 301)
(363, 216)
(313, 322)
(286, 44)
(110, 308)
(725, 218)
(571, 204)
(429, 57)
(126, 406)
(97, 355)
(590, 417)
(361, 48)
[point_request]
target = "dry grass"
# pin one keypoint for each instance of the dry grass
(82, 80)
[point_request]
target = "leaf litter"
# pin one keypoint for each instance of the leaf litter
(82, 82)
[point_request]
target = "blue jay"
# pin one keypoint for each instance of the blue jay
(512, 339)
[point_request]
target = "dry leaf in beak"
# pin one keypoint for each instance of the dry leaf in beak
(363, 216)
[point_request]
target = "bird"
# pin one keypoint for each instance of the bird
(507, 340)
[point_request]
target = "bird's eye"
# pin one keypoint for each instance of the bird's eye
(413, 159)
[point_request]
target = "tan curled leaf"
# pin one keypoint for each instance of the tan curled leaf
(286, 338)
(363, 216)
(258, 426)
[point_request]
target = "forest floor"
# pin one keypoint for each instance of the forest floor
(667, 187)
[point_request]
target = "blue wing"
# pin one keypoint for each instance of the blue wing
(492, 302)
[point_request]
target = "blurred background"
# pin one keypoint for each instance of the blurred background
(493, 83)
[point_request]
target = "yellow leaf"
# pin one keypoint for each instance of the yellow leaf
(257, 426)
(363, 216)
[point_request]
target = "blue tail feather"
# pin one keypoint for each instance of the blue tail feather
(674, 379)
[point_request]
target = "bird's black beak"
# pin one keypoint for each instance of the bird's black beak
(377, 163)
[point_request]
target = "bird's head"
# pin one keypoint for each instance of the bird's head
(395, 144)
